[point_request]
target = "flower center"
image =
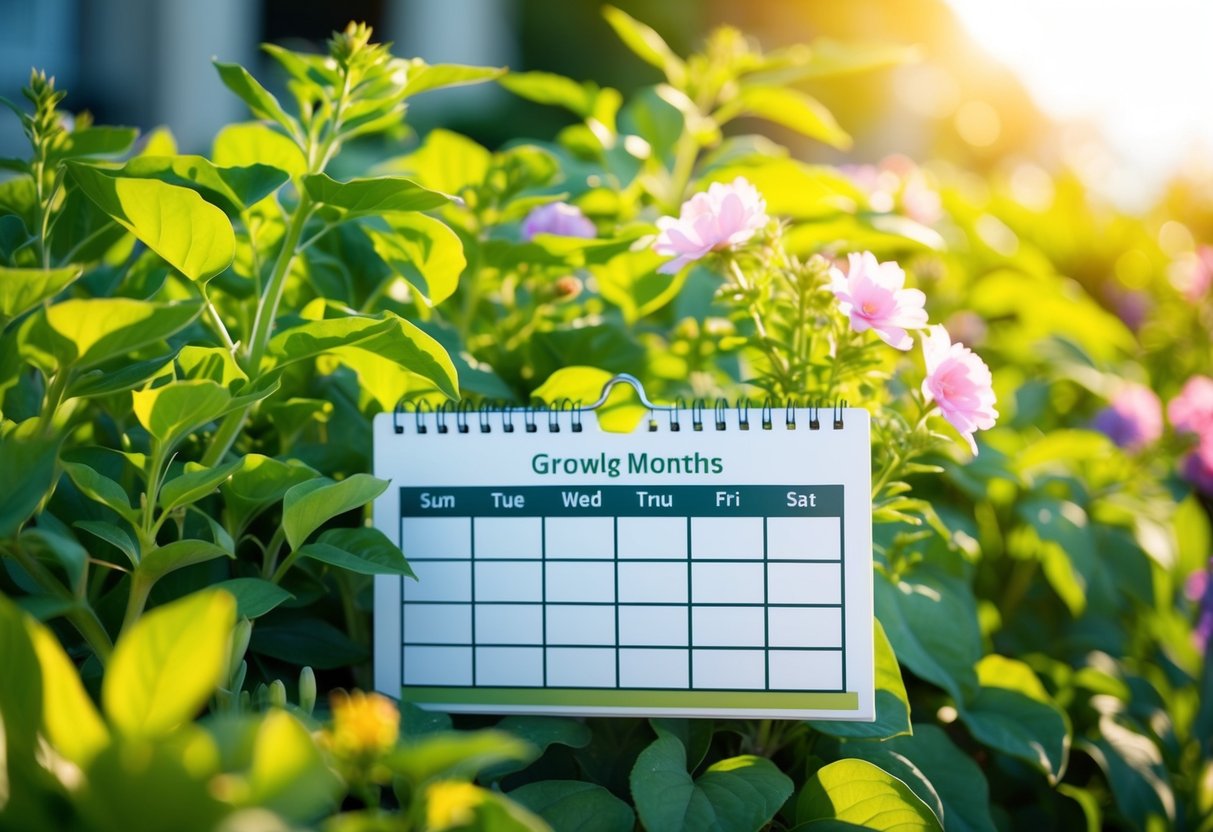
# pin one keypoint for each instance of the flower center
(868, 308)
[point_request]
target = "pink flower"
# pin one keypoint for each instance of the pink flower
(1133, 419)
(1192, 410)
(959, 382)
(723, 218)
(871, 294)
(1198, 466)
(558, 218)
(1200, 275)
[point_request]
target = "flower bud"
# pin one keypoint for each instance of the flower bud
(307, 689)
(277, 694)
(568, 287)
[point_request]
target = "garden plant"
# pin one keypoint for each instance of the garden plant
(192, 348)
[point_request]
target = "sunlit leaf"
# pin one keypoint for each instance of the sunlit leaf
(232, 189)
(795, 110)
(421, 250)
(85, 332)
(309, 505)
(193, 236)
(23, 289)
(423, 77)
(857, 792)
(253, 143)
(72, 724)
(261, 102)
(646, 43)
(378, 195)
(168, 664)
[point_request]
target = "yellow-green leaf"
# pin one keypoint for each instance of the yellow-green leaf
(423, 251)
(857, 792)
(253, 143)
(93, 330)
(795, 110)
(23, 289)
(168, 664)
(72, 724)
(172, 411)
(373, 195)
(192, 236)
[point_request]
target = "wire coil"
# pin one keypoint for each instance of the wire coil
(566, 414)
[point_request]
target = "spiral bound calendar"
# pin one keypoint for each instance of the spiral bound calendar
(714, 562)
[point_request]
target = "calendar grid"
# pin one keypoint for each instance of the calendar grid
(753, 597)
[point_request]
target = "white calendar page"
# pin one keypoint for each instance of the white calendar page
(715, 572)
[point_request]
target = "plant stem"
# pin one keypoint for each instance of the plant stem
(778, 362)
(54, 398)
(137, 600)
(82, 617)
(281, 571)
(220, 328)
(271, 552)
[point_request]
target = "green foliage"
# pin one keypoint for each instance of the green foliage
(192, 347)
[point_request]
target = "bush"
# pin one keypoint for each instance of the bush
(192, 348)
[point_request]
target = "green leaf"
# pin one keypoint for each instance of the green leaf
(192, 236)
(90, 331)
(261, 102)
(1011, 712)
(931, 621)
(631, 282)
(646, 44)
(29, 462)
(193, 484)
(451, 804)
(95, 141)
(61, 548)
(1136, 772)
(388, 336)
(857, 792)
(110, 379)
(69, 719)
(100, 489)
(446, 161)
(574, 804)
(254, 596)
(288, 774)
(372, 196)
(550, 88)
(21, 693)
(423, 77)
(174, 410)
(259, 483)
(1067, 549)
(112, 534)
(734, 795)
(364, 550)
(307, 641)
(948, 780)
(177, 555)
(792, 109)
(233, 189)
(423, 251)
(23, 289)
(892, 703)
(541, 732)
(795, 189)
(168, 664)
(253, 143)
(309, 505)
(454, 754)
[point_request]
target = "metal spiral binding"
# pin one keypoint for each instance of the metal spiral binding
(533, 414)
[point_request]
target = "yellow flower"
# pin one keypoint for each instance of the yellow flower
(451, 805)
(363, 723)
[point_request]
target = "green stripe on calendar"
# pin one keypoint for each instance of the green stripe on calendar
(607, 698)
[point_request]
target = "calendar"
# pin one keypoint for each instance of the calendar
(695, 567)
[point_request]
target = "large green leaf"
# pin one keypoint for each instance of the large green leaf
(231, 188)
(738, 794)
(259, 483)
(95, 141)
(646, 43)
(892, 704)
(261, 102)
(168, 664)
(549, 88)
(363, 550)
(194, 483)
(423, 77)
(1011, 712)
(388, 336)
(20, 688)
(541, 732)
(288, 774)
(575, 804)
(29, 472)
(446, 161)
(451, 754)
(1067, 548)
(69, 718)
(254, 596)
(174, 410)
(795, 110)
(23, 289)
(372, 196)
(101, 489)
(421, 250)
(1136, 772)
(177, 555)
(192, 236)
(947, 779)
(631, 282)
(931, 621)
(86, 332)
(253, 143)
(309, 505)
(857, 792)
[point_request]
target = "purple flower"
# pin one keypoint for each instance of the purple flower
(1197, 466)
(722, 218)
(1199, 588)
(1133, 419)
(560, 219)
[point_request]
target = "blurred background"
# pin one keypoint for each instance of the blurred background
(1112, 91)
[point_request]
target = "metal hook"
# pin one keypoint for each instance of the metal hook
(635, 383)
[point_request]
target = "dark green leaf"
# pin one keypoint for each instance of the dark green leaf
(112, 534)
(177, 555)
(29, 461)
(541, 732)
(309, 505)
(307, 641)
(573, 804)
(194, 483)
(232, 189)
(254, 596)
(364, 550)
